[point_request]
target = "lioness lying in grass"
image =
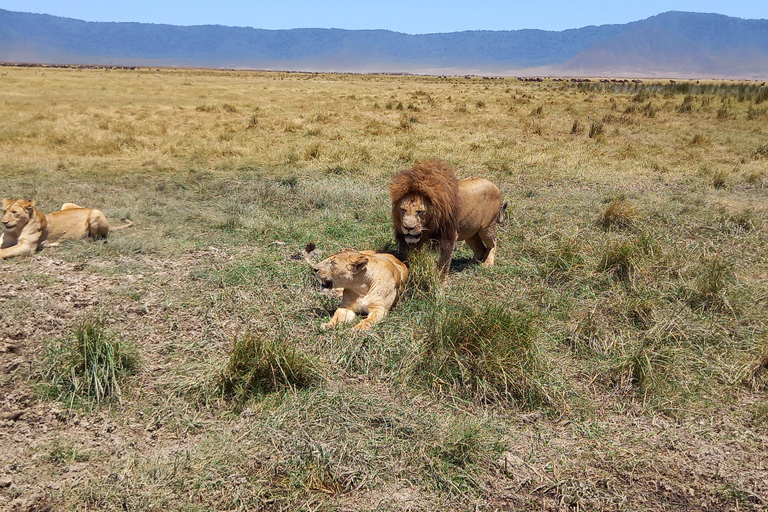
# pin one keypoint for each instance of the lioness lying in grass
(371, 283)
(26, 229)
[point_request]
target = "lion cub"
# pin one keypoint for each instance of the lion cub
(371, 282)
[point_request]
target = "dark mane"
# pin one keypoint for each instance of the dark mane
(436, 181)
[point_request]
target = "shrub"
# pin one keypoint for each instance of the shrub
(720, 179)
(576, 127)
(620, 259)
(484, 353)
(709, 289)
(724, 112)
(424, 278)
(619, 214)
(761, 151)
(596, 129)
(258, 366)
(687, 105)
(91, 365)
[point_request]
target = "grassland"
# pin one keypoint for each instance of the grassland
(615, 358)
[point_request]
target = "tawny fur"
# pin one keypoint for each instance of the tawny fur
(27, 230)
(371, 282)
(430, 205)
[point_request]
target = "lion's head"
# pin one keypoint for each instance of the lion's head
(424, 203)
(16, 213)
(340, 269)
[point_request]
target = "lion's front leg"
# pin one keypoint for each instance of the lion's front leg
(446, 255)
(23, 249)
(341, 316)
(375, 315)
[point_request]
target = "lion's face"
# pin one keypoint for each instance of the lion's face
(414, 213)
(340, 269)
(16, 213)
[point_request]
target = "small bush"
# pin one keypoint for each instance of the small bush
(724, 112)
(687, 105)
(312, 152)
(206, 108)
(649, 110)
(596, 129)
(619, 214)
(755, 373)
(424, 279)
(485, 354)
(712, 281)
(620, 259)
(576, 128)
(563, 258)
(761, 151)
(91, 365)
(258, 366)
(699, 140)
(453, 461)
(720, 179)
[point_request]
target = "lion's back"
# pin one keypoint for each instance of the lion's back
(480, 202)
(391, 265)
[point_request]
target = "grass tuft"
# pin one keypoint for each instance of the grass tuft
(713, 279)
(619, 214)
(424, 278)
(620, 260)
(90, 367)
(258, 365)
(486, 354)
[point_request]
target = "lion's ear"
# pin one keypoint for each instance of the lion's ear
(357, 262)
(32, 202)
(6, 202)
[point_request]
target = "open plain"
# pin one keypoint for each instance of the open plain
(614, 358)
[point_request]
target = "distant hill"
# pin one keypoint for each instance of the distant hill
(673, 44)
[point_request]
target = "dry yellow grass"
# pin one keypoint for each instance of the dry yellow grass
(632, 269)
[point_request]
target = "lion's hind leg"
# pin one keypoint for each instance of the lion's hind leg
(98, 227)
(488, 236)
(476, 244)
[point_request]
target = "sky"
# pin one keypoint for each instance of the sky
(408, 16)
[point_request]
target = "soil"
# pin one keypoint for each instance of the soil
(650, 463)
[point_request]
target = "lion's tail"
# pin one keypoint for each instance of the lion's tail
(501, 212)
(126, 224)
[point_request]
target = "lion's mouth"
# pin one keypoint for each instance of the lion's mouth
(412, 239)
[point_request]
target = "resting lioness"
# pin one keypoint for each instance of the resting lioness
(27, 229)
(371, 282)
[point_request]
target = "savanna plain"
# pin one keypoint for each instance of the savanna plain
(614, 358)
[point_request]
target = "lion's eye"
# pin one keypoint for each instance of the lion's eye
(421, 213)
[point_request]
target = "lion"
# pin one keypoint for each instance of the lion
(430, 205)
(28, 230)
(371, 282)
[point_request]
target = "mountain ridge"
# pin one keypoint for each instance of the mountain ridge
(673, 44)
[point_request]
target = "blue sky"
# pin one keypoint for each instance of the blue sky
(409, 16)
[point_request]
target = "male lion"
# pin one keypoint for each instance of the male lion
(371, 282)
(27, 229)
(430, 205)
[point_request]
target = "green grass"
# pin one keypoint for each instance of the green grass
(483, 353)
(90, 366)
(621, 330)
(258, 365)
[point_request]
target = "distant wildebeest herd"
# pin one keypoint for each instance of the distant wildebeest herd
(430, 206)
